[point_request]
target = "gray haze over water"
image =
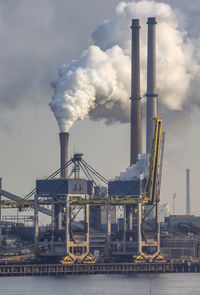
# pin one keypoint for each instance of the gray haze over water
(165, 284)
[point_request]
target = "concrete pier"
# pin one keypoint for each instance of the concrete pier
(97, 268)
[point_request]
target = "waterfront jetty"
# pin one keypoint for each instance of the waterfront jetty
(97, 268)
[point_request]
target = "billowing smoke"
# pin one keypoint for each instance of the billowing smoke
(92, 81)
(97, 84)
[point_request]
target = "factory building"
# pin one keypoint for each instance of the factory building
(183, 223)
(79, 226)
(68, 232)
(180, 247)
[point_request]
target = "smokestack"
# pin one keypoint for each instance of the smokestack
(64, 140)
(136, 122)
(152, 100)
(188, 192)
(0, 213)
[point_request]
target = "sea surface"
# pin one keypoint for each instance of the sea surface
(158, 284)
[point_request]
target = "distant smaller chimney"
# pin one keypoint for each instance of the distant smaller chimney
(188, 192)
(0, 213)
(64, 141)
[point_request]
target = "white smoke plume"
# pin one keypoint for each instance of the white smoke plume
(97, 84)
(89, 82)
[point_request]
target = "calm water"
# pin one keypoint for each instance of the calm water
(163, 284)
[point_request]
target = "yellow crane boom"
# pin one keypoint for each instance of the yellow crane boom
(152, 179)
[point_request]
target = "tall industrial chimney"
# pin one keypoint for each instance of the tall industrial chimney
(136, 117)
(0, 213)
(152, 100)
(64, 140)
(188, 192)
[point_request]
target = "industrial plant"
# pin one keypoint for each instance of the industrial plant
(95, 221)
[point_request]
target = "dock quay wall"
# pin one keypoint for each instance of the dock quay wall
(103, 268)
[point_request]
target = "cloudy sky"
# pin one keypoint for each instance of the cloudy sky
(36, 38)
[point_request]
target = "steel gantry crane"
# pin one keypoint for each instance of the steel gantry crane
(142, 241)
(147, 230)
